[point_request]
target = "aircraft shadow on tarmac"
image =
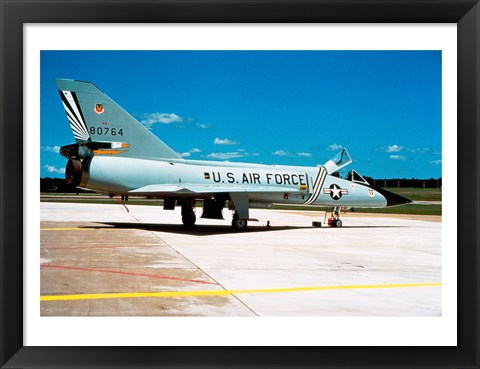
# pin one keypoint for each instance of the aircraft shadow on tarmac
(197, 230)
(207, 230)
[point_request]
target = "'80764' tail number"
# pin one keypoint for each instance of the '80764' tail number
(106, 131)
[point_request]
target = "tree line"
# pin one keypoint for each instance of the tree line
(58, 185)
(406, 182)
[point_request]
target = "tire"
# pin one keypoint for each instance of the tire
(338, 223)
(239, 224)
(189, 220)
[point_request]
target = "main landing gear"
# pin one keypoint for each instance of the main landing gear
(189, 218)
(239, 224)
(188, 215)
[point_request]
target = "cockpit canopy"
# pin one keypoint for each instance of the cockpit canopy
(339, 161)
(342, 159)
(357, 178)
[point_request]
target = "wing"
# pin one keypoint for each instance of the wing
(191, 189)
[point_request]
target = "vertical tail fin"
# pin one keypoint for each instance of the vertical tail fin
(99, 122)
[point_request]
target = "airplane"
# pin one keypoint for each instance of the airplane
(116, 155)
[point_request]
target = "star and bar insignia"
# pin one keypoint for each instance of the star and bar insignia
(335, 191)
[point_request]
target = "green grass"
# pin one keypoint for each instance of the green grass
(418, 194)
(417, 209)
(85, 200)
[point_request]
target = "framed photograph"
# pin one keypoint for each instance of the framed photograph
(441, 38)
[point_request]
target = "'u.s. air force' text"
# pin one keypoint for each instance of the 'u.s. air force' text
(291, 179)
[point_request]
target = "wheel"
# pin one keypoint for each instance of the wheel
(239, 224)
(188, 220)
(337, 223)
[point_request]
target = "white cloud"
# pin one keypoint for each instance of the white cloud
(225, 155)
(149, 119)
(292, 154)
(55, 149)
(397, 157)
(334, 147)
(394, 148)
(164, 118)
(422, 150)
(225, 141)
(53, 169)
(202, 125)
(304, 154)
(188, 153)
(280, 153)
(436, 162)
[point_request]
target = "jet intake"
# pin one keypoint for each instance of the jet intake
(77, 172)
(212, 208)
(169, 203)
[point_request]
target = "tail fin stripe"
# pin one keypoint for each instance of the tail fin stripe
(78, 134)
(77, 122)
(77, 105)
(76, 127)
(71, 116)
(73, 106)
(67, 104)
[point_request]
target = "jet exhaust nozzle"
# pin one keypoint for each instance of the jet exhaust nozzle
(77, 172)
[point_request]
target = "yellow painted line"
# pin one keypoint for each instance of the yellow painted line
(225, 292)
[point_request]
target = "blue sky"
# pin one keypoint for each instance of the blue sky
(271, 107)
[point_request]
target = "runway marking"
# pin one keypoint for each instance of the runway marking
(226, 292)
(125, 273)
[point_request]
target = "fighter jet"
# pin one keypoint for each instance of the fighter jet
(116, 155)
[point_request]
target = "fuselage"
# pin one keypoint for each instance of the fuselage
(264, 183)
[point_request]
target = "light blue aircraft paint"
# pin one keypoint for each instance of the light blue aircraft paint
(115, 154)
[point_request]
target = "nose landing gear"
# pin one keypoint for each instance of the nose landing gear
(334, 220)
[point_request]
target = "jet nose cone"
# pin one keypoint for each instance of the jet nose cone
(392, 198)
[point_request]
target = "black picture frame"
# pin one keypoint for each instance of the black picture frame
(14, 14)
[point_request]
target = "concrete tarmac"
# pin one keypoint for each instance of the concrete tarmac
(100, 260)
